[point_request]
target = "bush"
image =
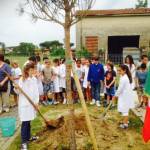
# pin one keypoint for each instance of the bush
(83, 53)
(58, 52)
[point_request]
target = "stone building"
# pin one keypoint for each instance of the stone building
(113, 30)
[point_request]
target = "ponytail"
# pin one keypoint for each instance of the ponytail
(126, 69)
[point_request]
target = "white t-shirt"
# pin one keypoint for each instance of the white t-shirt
(16, 73)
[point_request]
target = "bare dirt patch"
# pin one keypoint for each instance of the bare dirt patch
(108, 135)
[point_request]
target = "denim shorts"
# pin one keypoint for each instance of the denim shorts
(48, 87)
(110, 91)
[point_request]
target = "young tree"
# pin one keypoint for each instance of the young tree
(142, 4)
(62, 12)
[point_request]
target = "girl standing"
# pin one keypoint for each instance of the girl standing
(87, 88)
(124, 94)
(28, 83)
(56, 73)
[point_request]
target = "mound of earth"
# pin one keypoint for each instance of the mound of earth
(108, 135)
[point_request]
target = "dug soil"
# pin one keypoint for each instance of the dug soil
(108, 135)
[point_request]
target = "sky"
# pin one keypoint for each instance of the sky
(15, 29)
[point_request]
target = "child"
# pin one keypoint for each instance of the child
(124, 94)
(16, 74)
(87, 88)
(56, 74)
(141, 76)
(63, 80)
(28, 83)
(109, 81)
(48, 85)
(78, 70)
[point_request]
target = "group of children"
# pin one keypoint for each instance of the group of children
(46, 84)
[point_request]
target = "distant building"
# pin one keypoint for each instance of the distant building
(113, 30)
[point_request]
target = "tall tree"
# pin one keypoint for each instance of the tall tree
(62, 12)
(142, 4)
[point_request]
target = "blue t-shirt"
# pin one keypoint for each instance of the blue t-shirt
(141, 76)
(6, 68)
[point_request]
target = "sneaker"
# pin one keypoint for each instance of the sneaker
(34, 138)
(93, 102)
(98, 104)
(55, 103)
(6, 110)
(65, 101)
(123, 126)
(24, 146)
(44, 103)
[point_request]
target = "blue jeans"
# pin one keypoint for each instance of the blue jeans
(25, 131)
(95, 88)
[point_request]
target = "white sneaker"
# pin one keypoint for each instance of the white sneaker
(6, 110)
(1, 111)
(98, 104)
(65, 101)
(93, 102)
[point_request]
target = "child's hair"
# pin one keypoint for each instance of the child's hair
(26, 68)
(143, 66)
(44, 58)
(38, 58)
(78, 61)
(56, 61)
(144, 56)
(33, 58)
(131, 61)
(126, 69)
(14, 63)
(7, 61)
(111, 66)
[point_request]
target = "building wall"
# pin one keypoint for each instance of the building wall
(113, 26)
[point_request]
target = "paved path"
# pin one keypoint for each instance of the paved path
(6, 141)
(139, 112)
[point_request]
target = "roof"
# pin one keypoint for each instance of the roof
(114, 12)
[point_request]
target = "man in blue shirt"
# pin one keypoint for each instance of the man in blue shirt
(95, 76)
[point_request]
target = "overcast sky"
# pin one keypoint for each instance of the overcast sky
(15, 29)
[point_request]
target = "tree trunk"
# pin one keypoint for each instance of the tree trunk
(68, 87)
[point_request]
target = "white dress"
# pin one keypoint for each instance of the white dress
(62, 72)
(85, 71)
(125, 95)
(56, 81)
(25, 109)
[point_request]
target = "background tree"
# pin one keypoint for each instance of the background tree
(25, 49)
(51, 45)
(62, 12)
(142, 4)
(2, 48)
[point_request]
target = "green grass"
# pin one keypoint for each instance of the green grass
(36, 125)
(20, 59)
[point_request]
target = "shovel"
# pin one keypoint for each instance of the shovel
(50, 124)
